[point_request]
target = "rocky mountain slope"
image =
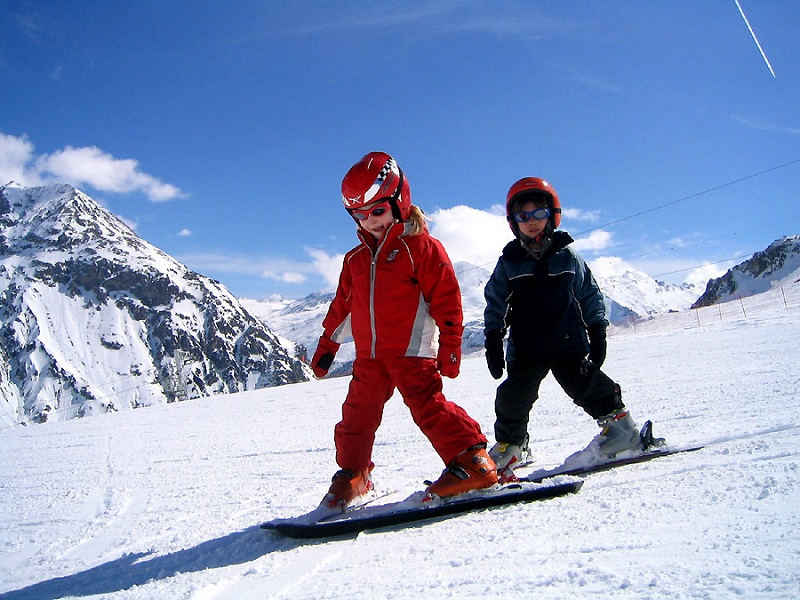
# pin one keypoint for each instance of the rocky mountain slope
(93, 318)
(778, 264)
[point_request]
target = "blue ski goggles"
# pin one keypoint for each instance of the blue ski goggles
(523, 216)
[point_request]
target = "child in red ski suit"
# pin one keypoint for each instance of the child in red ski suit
(395, 289)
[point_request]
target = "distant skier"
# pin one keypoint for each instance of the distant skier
(544, 293)
(395, 289)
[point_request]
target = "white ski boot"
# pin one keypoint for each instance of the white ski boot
(619, 433)
(509, 456)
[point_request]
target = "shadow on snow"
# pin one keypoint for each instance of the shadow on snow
(137, 569)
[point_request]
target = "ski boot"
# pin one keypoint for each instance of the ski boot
(509, 456)
(473, 469)
(347, 486)
(619, 433)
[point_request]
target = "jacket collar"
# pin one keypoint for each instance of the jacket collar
(397, 230)
(517, 250)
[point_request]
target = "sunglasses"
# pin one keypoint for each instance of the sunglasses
(523, 216)
(377, 211)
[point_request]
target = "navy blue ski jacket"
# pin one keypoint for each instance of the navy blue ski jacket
(547, 304)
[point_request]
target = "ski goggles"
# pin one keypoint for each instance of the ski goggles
(523, 216)
(375, 211)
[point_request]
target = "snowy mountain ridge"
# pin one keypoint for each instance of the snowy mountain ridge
(95, 319)
(778, 264)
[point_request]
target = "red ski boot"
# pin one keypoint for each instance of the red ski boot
(473, 469)
(347, 486)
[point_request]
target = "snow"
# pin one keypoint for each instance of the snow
(165, 501)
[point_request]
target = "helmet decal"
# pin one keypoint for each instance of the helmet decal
(376, 176)
(378, 187)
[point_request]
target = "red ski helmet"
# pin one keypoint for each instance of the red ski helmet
(533, 186)
(376, 176)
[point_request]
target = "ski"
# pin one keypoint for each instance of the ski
(542, 474)
(414, 510)
(323, 512)
(651, 448)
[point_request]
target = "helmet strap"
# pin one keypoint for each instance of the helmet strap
(395, 197)
(537, 246)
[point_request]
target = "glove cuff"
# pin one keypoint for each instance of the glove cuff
(327, 344)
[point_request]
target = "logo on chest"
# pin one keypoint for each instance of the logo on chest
(392, 256)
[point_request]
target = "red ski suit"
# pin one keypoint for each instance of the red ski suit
(392, 295)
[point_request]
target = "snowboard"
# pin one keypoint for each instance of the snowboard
(413, 510)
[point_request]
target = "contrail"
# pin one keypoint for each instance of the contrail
(755, 39)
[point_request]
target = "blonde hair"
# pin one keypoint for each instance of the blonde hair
(418, 221)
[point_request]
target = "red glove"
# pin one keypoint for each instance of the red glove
(323, 357)
(448, 360)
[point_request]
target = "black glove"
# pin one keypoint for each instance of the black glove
(495, 356)
(597, 345)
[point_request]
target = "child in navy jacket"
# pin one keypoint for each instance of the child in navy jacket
(544, 295)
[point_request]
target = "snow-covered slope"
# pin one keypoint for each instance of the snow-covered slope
(165, 502)
(94, 319)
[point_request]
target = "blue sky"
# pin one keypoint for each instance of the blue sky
(221, 130)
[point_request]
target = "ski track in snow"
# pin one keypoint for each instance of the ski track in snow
(165, 501)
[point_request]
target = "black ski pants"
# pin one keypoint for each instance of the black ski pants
(590, 388)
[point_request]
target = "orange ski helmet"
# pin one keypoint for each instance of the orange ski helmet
(375, 177)
(533, 186)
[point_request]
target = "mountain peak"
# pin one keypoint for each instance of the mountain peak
(93, 318)
(21, 198)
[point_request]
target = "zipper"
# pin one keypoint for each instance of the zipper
(372, 275)
(373, 269)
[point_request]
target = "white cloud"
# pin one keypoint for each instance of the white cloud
(329, 266)
(78, 166)
(471, 235)
(15, 154)
(276, 269)
(103, 172)
(578, 214)
(595, 241)
(678, 242)
(185, 233)
(284, 276)
(610, 266)
(701, 275)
